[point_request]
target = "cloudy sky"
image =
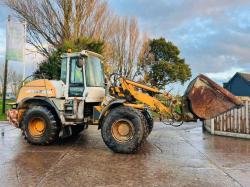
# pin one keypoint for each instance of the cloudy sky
(213, 35)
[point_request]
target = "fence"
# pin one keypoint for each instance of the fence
(232, 123)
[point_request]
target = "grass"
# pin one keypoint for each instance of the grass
(3, 117)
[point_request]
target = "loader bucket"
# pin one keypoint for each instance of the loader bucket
(205, 99)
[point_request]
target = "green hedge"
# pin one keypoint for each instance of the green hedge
(3, 117)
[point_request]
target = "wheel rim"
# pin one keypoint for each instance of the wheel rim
(122, 130)
(36, 127)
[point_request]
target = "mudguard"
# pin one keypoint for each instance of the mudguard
(108, 106)
(41, 101)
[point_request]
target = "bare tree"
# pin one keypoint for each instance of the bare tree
(133, 47)
(124, 46)
(14, 82)
(54, 21)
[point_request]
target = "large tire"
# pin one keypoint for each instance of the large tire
(149, 120)
(124, 130)
(77, 129)
(39, 126)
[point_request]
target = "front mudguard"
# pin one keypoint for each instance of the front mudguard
(110, 105)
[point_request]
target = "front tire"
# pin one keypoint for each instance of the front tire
(150, 121)
(124, 129)
(39, 126)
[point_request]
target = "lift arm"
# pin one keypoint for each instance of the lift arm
(203, 99)
(132, 88)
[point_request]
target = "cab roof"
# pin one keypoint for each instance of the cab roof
(83, 52)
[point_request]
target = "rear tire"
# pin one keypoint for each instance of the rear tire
(124, 130)
(39, 126)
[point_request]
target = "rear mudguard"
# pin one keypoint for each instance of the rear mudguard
(40, 101)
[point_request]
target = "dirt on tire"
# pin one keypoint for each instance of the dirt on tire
(139, 124)
(51, 133)
(149, 121)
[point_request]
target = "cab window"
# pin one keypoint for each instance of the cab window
(76, 84)
(94, 72)
(64, 70)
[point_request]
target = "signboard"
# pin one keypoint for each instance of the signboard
(15, 41)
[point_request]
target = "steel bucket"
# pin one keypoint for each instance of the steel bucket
(204, 99)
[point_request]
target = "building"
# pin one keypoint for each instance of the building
(239, 84)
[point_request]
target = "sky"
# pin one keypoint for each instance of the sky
(213, 36)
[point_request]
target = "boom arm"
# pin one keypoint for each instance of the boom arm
(203, 99)
(129, 87)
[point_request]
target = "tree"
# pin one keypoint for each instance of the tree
(161, 63)
(14, 80)
(50, 68)
(82, 43)
(124, 47)
(57, 21)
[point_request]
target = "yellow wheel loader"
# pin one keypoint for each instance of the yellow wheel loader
(48, 109)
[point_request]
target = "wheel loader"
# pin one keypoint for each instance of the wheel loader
(46, 110)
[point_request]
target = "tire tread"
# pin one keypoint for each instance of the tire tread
(54, 128)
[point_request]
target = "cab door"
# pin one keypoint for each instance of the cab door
(76, 78)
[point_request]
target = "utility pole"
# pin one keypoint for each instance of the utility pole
(5, 76)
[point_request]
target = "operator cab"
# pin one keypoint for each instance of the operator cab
(83, 75)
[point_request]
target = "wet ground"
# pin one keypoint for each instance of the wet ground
(183, 156)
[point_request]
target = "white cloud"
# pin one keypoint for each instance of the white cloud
(213, 35)
(224, 75)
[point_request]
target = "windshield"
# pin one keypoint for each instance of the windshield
(94, 72)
